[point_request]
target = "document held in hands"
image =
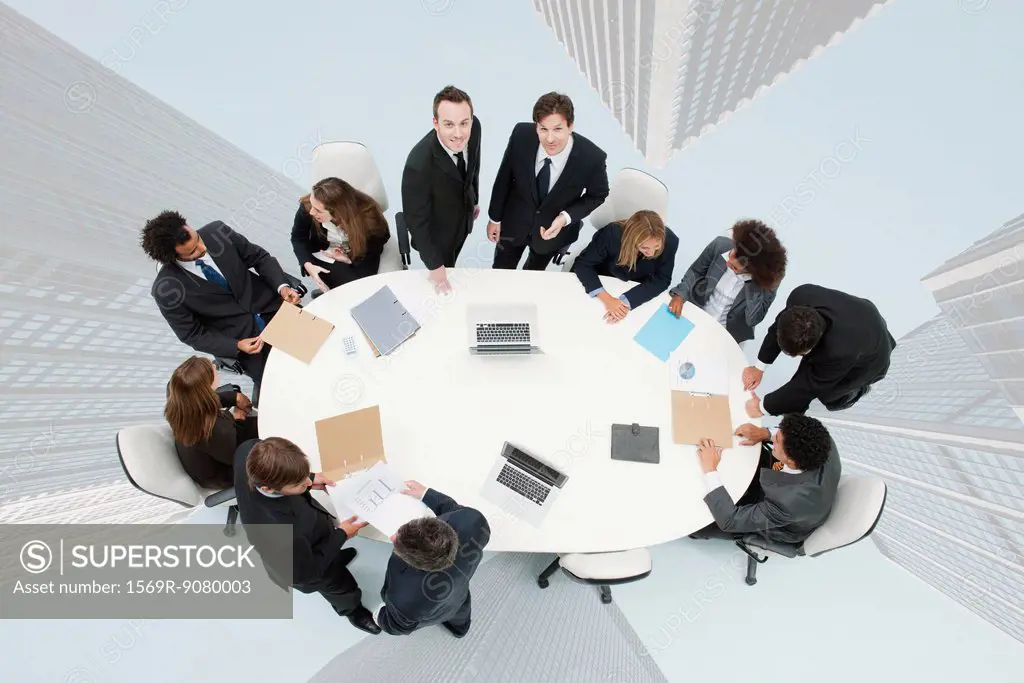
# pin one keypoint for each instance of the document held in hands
(375, 496)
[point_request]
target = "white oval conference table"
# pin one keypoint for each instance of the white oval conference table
(446, 413)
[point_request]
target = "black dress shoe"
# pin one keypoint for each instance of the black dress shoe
(457, 632)
(362, 619)
(347, 555)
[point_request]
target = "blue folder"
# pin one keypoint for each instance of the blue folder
(663, 333)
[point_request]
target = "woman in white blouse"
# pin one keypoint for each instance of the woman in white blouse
(735, 278)
(338, 234)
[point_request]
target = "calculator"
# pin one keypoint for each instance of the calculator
(350, 346)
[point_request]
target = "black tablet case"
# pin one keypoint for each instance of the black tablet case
(643, 446)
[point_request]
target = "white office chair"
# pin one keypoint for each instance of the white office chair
(353, 163)
(601, 569)
(152, 466)
(857, 509)
(630, 191)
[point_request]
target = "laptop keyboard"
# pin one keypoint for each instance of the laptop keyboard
(503, 333)
(523, 485)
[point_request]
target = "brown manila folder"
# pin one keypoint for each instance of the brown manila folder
(701, 416)
(297, 332)
(350, 442)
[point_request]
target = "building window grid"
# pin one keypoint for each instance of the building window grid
(905, 496)
(950, 584)
(996, 575)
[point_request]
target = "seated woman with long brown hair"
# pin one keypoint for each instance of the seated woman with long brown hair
(639, 249)
(207, 425)
(338, 234)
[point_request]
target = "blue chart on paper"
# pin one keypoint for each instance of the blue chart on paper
(663, 333)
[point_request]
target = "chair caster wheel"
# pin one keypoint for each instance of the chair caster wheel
(750, 581)
(606, 599)
(543, 583)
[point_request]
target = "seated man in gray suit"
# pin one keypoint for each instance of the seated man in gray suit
(427, 579)
(792, 492)
(735, 278)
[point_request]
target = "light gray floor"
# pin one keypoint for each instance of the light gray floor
(562, 634)
(853, 616)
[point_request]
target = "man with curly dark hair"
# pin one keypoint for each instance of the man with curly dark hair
(735, 278)
(207, 294)
(844, 347)
(793, 492)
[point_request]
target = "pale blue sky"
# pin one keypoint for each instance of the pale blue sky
(934, 90)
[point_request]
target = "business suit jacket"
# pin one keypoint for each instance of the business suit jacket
(581, 188)
(792, 505)
(306, 240)
(601, 257)
(438, 205)
(316, 543)
(208, 317)
(210, 462)
(697, 285)
(853, 352)
(414, 598)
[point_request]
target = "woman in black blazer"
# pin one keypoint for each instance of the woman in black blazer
(639, 249)
(207, 426)
(342, 225)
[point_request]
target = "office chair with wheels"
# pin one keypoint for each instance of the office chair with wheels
(601, 569)
(855, 513)
(630, 191)
(151, 464)
(353, 163)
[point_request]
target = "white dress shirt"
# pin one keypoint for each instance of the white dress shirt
(193, 267)
(336, 237)
(728, 288)
(558, 162)
(451, 154)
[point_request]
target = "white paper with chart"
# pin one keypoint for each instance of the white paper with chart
(704, 374)
(375, 496)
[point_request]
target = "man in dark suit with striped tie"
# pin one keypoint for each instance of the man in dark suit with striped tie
(206, 292)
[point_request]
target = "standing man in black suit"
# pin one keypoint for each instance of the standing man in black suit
(845, 347)
(208, 295)
(272, 482)
(441, 184)
(434, 558)
(549, 180)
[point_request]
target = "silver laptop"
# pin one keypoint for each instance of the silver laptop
(521, 486)
(502, 329)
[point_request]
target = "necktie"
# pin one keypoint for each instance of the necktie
(544, 180)
(211, 274)
(461, 163)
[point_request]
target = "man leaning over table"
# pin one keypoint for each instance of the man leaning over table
(434, 558)
(792, 492)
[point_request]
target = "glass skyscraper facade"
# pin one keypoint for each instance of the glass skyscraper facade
(707, 58)
(83, 349)
(944, 430)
